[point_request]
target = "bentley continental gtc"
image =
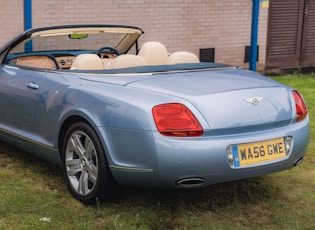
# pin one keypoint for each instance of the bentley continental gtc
(112, 112)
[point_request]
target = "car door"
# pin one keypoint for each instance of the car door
(19, 93)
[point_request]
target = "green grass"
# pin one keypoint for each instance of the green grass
(31, 189)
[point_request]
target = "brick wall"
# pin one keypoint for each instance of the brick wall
(179, 24)
(11, 20)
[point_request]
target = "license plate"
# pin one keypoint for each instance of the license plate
(257, 152)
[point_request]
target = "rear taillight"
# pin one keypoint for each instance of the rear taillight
(301, 110)
(176, 119)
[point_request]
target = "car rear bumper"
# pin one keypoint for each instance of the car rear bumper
(152, 160)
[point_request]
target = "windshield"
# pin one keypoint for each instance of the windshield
(66, 42)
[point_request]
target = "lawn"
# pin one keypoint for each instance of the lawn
(33, 195)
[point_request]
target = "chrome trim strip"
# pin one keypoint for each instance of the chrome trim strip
(28, 140)
(123, 168)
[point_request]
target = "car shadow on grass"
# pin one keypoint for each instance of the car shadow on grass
(213, 197)
(168, 209)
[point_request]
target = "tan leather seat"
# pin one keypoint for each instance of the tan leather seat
(127, 60)
(87, 62)
(154, 53)
(182, 57)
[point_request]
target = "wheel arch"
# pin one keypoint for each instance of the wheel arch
(65, 126)
(72, 119)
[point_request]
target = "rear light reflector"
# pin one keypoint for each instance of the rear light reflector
(176, 119)
(301, 110)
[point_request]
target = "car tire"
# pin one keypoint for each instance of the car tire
(85, 165)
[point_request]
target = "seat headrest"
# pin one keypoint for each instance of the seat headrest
(182, 57)
(87, 62)
(154, 53)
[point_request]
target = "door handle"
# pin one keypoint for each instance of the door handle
(32, 85)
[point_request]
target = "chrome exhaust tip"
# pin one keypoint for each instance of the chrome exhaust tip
(190, 182)
(299, 161)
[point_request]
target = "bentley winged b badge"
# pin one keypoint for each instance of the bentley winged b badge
(254, 100)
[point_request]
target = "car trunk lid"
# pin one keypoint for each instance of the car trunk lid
(227, 99)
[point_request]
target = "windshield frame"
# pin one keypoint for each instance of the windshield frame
(132, 34)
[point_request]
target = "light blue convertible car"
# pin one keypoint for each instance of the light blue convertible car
(111, 112)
